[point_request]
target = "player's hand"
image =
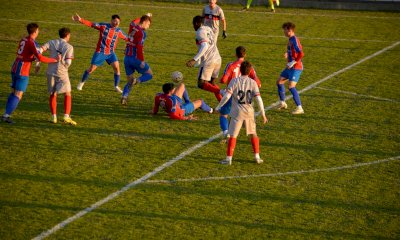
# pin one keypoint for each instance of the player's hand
(291, 64)
(191, 117)
(224, 34)
(265, 119)
(190, 63)
(285, 55)
(76, 18)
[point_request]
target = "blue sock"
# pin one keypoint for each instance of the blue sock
(85, 76)
(12, 103)
(116, 80)
(281, 91)
(204, 106)
(296, 96)
(127, 90)
(223, 123)
(145, 77)
(186, 96)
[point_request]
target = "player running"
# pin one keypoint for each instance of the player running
(293, 69)
(232, 70)
(109, 33)
(27, 51)
(134, 56)
(208, 56)
(243, 90)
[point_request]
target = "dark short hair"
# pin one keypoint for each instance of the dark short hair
(167, 87)
(32, 27)
(288, 25)
(63, 32)
(240, 51)
(145, 18)
(115, 16)
(245, 68)
(198, 20)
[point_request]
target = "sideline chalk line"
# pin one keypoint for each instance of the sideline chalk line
(356, 94)
(187, 152)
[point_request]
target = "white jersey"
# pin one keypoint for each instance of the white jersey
(205, 34)
(212, 17)
(59, 46)
(243, 90)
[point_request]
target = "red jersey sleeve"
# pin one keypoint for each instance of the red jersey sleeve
(138, 41)
(156, 104)
(39, 56)
(86, 22)
(253, 75)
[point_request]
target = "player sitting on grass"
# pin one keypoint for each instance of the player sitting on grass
(171, 101)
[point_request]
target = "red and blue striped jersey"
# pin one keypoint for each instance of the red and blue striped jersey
(108, 36)
(170, 104)
(295, 52)
(135, 46)
(27, 51)
(232, 70)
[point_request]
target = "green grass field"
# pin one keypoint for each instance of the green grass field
(332, 173)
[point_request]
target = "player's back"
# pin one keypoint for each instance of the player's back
(25, 55)
(56, 47)
(243, 90)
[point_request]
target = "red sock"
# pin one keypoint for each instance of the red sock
(53, 103)
(214, 89)
(231, 146)
(255, 142)
(67, 104)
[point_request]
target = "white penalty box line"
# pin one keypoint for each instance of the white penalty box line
(357, 94)
(186, 153)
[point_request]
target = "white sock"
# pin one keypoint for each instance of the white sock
(257, 155)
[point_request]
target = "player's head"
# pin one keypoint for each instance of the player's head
(64, 32)
(240, 52)
(288, 28)
(245, 68)
(197, 22)
(168, 87)
(212, 3)
(115, 20)
(145, 21)
(32, 28)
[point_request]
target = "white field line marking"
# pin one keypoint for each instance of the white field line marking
(226, 10)
(356, 94)
(182, 155)
(191, 32)
(279, 173)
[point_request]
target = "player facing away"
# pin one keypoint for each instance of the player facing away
(243, 90)
(134, 57)
(213, 14)
(57, 74)
(293, 69)
(109, 33)
(26, 53)
(232, 70)
(208, 56)
(171, 100)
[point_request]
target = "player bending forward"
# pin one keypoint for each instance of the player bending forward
(242, 90)
(171, 100)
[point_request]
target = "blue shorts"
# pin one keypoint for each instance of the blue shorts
(99, 58)
(226, 108)
(18, 82)
(188, 107)
(132, 64)
(291, 74)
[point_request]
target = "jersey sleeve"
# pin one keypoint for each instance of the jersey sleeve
(89, 23)
(138, 42)
(253, 75)
(39, 56)
(298, 49)
(227, 73)
(156, 104)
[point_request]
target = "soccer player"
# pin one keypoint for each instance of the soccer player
(213, 14)
(293, 69)
(109, 33)
(243, 90)
(57, 74)
(171, 101)
(134, 57)
(208, 56)
(271, 4)
(26, 53)
(232, 70)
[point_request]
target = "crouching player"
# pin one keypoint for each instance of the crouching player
(171, 100)
(242, 90)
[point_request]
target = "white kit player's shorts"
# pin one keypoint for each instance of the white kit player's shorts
(235, 125)
(57, 84)
(209, 70)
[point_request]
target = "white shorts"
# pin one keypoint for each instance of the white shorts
(235, 125)
(58, 85)
(209, 70)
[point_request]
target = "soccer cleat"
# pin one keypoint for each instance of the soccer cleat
(282, 106)
(118, 89)
(7, 120)
(124, 101)
(259, 160)
(68, 120)
(53, 119)
(226, 162)
(224, 139)
(80, 86)
(244, 9)
(211, 111)
(298, 110)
